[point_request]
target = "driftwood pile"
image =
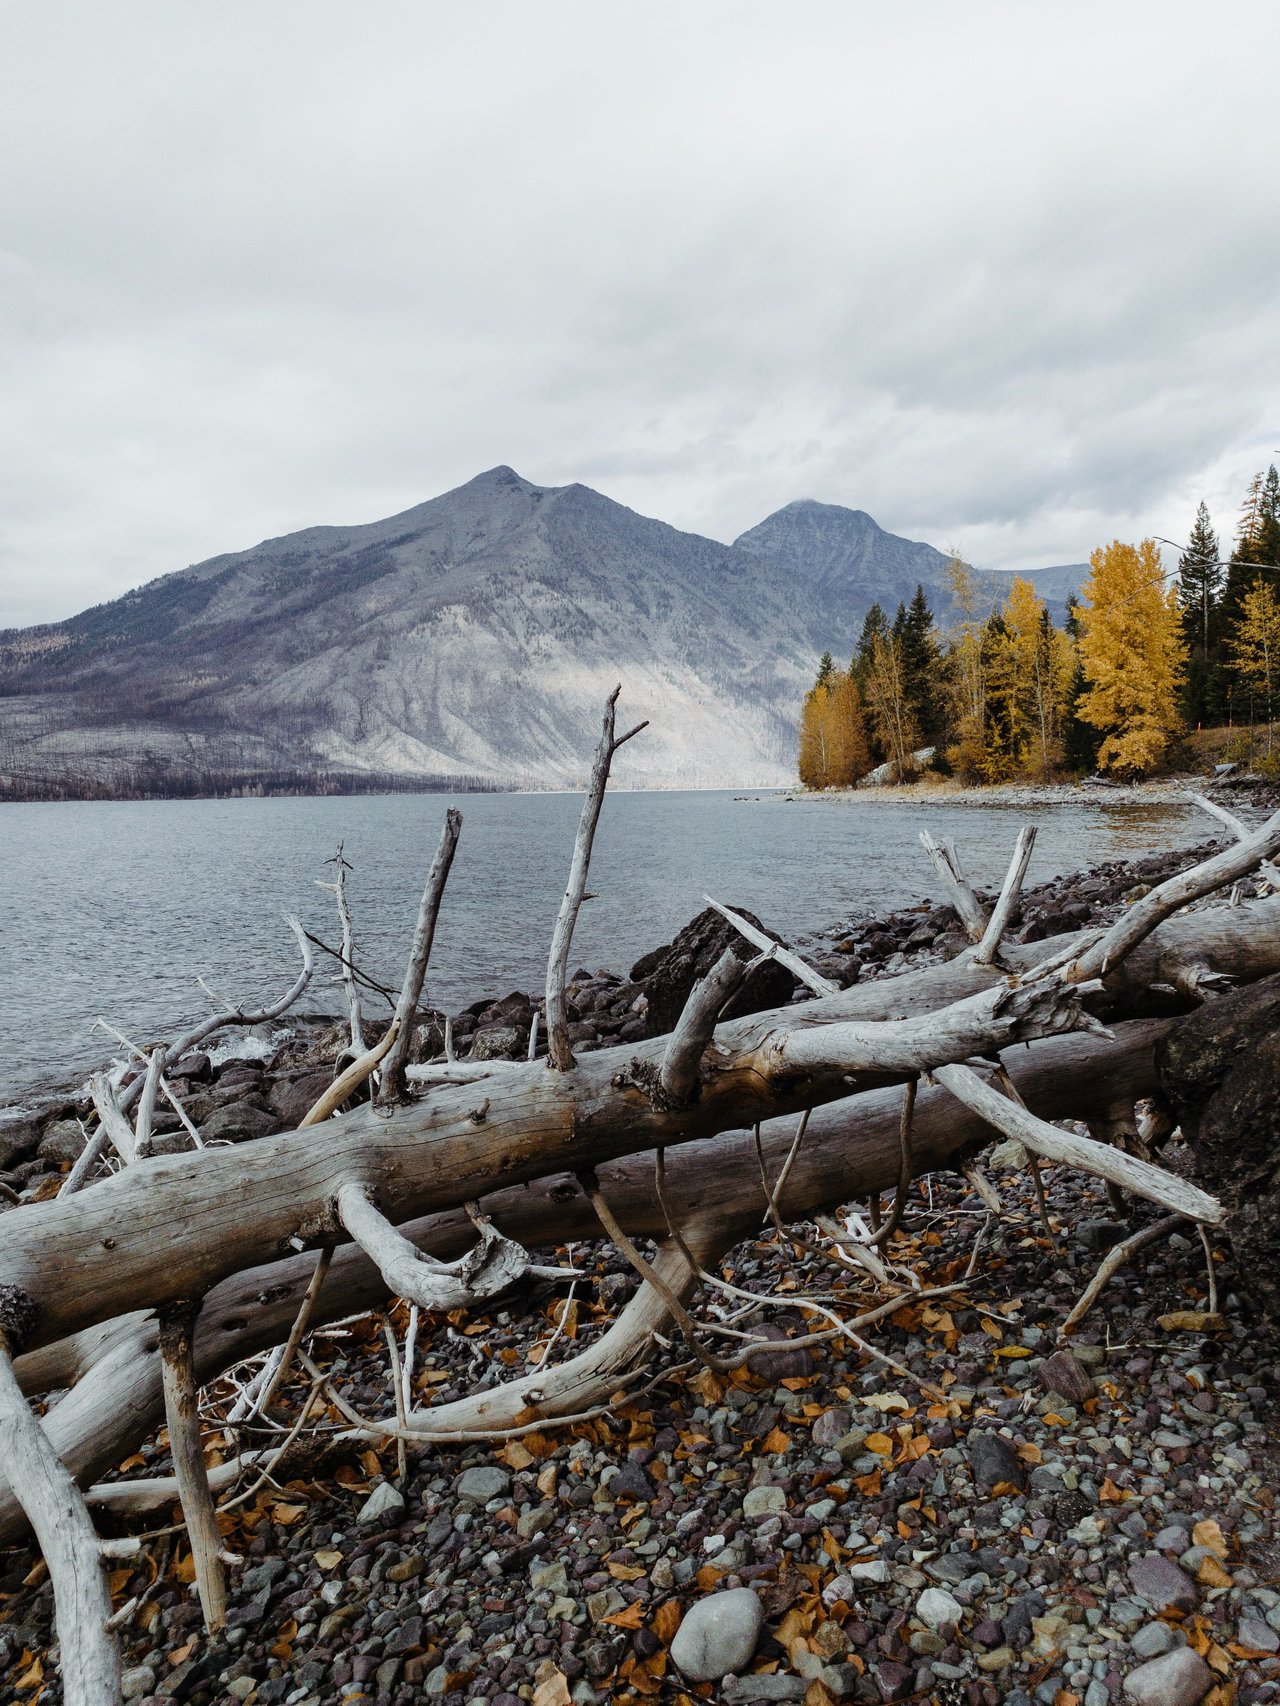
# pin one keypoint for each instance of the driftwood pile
(131, 1292)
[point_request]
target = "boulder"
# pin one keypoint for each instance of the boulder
(667, 975)
(500, 1042)
(1218, 1070)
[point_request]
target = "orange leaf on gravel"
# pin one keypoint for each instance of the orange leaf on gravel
(775, 1441)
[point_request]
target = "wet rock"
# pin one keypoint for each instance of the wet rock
(718, 1635)
(1177, 1678)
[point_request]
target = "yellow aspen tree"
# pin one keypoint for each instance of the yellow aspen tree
(833, 735)
(1133, 656)
(1255, 648)
(1041, 665)
(969, 664)
(887, 702)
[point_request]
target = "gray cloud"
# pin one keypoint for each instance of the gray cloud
(1002, 275)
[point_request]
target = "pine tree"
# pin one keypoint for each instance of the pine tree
(1200, 581)
(1133, 653)
(922, 669)
(826, 669)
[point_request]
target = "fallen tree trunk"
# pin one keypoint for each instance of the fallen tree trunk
(851, 1149)
(176, 1226)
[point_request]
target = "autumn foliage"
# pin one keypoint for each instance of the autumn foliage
(1133, 655)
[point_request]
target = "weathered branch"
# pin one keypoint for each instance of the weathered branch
(338, 889)
(419, 953)
(1145, 914)
(56, 1510)
(1238, 828)
(182, 1416)
(799, 968)
(678, 1074)
(946, 863)
(989, 947)
(237, 1015)
(559, 1053)
(1127, 1171)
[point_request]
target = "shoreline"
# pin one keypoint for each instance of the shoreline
(1166, 791)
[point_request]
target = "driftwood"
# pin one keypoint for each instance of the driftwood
(139, 1289)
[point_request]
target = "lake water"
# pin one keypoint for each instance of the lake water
(114, 909)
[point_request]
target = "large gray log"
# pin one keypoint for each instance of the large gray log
(851, 1148)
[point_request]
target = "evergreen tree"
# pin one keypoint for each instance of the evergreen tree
(1200, 580)
(826, 669)
(874, 623)
(922, 668)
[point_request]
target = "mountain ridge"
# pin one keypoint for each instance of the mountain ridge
(469, 638)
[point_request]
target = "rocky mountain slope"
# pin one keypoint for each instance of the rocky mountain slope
(471, 639)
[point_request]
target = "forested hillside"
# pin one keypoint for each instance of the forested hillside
(1001, 691)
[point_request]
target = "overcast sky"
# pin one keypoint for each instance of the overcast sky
(1004, 275)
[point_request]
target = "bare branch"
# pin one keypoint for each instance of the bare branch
(420, 952)
(559, 1053)
(182, 1415)
(946, 863)
(53, 1503)
(1139, 1177)
(812, 979)
(988, 948)
(678, 1074)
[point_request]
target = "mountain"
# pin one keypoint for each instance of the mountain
(856, 564)
(468, 641)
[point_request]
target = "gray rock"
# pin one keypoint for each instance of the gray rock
(951, 1567)
(937, 1609)
(1254, 1632)
(1162, 1584)
(632, 1482)
(719, 1635)
(500, 1042)
(1177, 1678)
(239, 1122)
(482, 1484)
(62, 1141)
(383, 1502)
(137, 1681)
(764, 1501)
(1152, 1640)
(994, 1459)
(736, 1689)
(831, 1425)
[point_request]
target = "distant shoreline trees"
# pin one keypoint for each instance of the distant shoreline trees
(1005, 694)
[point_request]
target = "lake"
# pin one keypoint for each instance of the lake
(114, 909)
